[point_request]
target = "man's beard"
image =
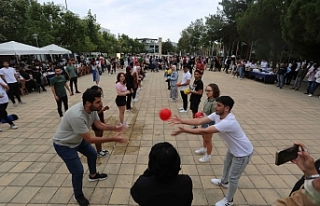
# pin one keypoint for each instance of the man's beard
(92, 108)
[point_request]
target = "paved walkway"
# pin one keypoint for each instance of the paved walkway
(31, 173)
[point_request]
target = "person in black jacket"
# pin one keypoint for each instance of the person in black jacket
(280, 74)
(129, 81)
(161, 183)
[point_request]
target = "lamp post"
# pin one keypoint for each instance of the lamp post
(111, 48)
(35, 36)
(131, 50)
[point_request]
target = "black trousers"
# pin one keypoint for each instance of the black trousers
(14, 91)
(128, 102)
(75, 81)
(184, 99)
(63, 99)
(4, 114)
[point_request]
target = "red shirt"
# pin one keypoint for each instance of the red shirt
(200, 67)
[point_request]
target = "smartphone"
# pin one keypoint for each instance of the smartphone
(286, 155)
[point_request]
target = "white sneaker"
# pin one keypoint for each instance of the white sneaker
(102, 154)
(173, 100)
(128, 110)
(219, 183)
(183, 111)
(224, 202)
(181, 108)
(310, 95)
(0, 130)
(205, 158)
(135, 100)
(200, 151)
(13, 126)
(124, 124)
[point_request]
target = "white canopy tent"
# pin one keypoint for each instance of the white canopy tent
(54, 49)
(16, 48)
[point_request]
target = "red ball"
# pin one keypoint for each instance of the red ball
(199, 115)
(165, 114)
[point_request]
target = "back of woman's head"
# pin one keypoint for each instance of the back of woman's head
(164, 162)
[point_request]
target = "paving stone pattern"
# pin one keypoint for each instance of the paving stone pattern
(31, 173)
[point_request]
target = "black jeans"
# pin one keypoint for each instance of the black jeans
(63, 99)
(14, 90)
(184, 99)
(4, 114)
(128, 104)
(75, 81)
(134, 94)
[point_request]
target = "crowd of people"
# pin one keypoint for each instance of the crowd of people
(161, 183)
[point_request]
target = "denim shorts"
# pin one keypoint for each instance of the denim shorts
(208, 124)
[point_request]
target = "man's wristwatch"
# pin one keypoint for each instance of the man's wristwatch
(311, 177)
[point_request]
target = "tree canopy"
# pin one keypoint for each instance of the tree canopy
(54, 24)
(274, 27)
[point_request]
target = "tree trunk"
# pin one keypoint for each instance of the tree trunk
(275, 57)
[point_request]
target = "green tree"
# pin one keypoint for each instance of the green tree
(167, 47)
(265, 26)
(300, 27)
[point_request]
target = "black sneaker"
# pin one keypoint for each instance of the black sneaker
(98, 177)
(82, 201)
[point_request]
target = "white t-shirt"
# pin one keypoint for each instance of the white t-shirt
(4, 99)
(185, 77)
(231, 132)
(8, 74)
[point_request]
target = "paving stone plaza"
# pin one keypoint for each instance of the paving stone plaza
(31, 173)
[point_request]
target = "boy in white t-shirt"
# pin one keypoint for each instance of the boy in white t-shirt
(240, 149)
(184, 84)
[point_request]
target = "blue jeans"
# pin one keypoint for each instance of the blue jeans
(309, 88)
(314, 87)
(74, 165)
(241, 72)
(280, 78)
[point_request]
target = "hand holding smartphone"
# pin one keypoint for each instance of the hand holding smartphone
(286, 155)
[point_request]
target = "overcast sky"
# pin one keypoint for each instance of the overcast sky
(144, 18)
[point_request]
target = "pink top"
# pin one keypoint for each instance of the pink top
(121, 87)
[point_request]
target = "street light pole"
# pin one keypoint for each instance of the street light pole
(65, 1)
(35, 36)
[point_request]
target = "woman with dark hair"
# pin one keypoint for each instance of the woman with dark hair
(122, 92)
(161, 183)
(129, 81)
(212, 92)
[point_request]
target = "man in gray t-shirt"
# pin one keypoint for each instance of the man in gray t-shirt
(73, 136)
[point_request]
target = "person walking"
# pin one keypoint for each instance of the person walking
(73, 136)
(10, 76)
(72, 74)
(240, 149)
(4, 103)
(58, 83)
